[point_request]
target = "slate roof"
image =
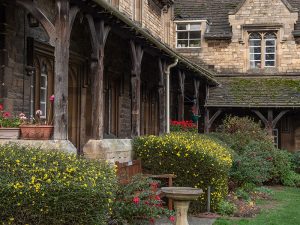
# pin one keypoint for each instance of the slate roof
(270, 92)
(216, 12)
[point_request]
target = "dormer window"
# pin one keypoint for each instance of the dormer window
(262, 49)
(188, 35)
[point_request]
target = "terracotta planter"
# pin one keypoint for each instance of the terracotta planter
(39, 132)
(9, 133)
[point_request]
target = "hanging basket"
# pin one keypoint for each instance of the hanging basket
(36, 132)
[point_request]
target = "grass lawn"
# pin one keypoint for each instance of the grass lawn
(285, 212)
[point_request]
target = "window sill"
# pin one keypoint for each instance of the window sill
(188, 50)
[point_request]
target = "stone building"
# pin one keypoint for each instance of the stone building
(253, 47)
(106, 62)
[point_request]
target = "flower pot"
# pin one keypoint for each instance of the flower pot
(38, 132)
(9, 133)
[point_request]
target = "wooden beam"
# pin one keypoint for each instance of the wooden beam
(261, 116)
(61, 53)
(278, 117)
(136, 55)
(31, 7)
(209, 121)
(73, 13)
(99, 34)
(162, 96)
(181, 96)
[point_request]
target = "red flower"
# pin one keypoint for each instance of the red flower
(154, 184)
(157, 197)
(136, 200)
(51, 98)
(172, 218)
(6, 114)
(152, 220)
(1, 107)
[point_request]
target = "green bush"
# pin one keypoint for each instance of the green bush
(226, 208)
(197, 160)
(253, 165)
(256, 160)
(296, 161)
(40, 187)
(240, 131)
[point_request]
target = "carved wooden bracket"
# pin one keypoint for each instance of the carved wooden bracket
(209, 121)
(137, 53)
(270, 122)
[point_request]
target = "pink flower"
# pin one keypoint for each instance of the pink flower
(136, 200)
(157, 198)
(6, 114)
(1, 107)
(38, 112)
(172, 218)
(51, 98)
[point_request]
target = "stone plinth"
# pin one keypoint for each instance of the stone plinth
(182, 197)
(58, 145)
(111, 150)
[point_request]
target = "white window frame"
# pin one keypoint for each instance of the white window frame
(188, 23)
(263, 49)
(45, 89)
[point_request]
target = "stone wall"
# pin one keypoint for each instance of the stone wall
(233, 56)
(157, 21)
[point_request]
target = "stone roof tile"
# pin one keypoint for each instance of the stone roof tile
(217, 13)
(255, 92)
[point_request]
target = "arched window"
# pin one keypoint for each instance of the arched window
(270, 49)
(255, 50)
(262, 49)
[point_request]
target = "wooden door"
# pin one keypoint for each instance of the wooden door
(74, 106)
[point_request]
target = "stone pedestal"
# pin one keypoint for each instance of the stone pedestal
(181, 208)
(182, 197)
(111, 150)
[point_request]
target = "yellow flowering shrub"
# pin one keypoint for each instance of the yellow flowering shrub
(197, 160)
(39, 187)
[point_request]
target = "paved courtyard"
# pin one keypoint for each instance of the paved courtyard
(192, 221)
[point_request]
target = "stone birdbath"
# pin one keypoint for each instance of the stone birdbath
(182, 196)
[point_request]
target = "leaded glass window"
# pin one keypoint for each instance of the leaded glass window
(262, 49)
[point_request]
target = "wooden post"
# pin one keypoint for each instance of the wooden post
(181, 96)
(61, 70)
(269, 124)
(99, 33)
(206, 121)
(196, 98)
(162, 97)
(137, 56)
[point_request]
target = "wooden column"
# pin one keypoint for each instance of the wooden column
(209, 121)
(162, 97)
(61, 54)
(99, 33)
(196, 98)
(137, 56)
(59, 35)
(181, 96)
(270, 123)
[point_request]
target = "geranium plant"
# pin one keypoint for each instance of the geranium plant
(188, 126)
(137, 203)
(38, 120)
(7, 120)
